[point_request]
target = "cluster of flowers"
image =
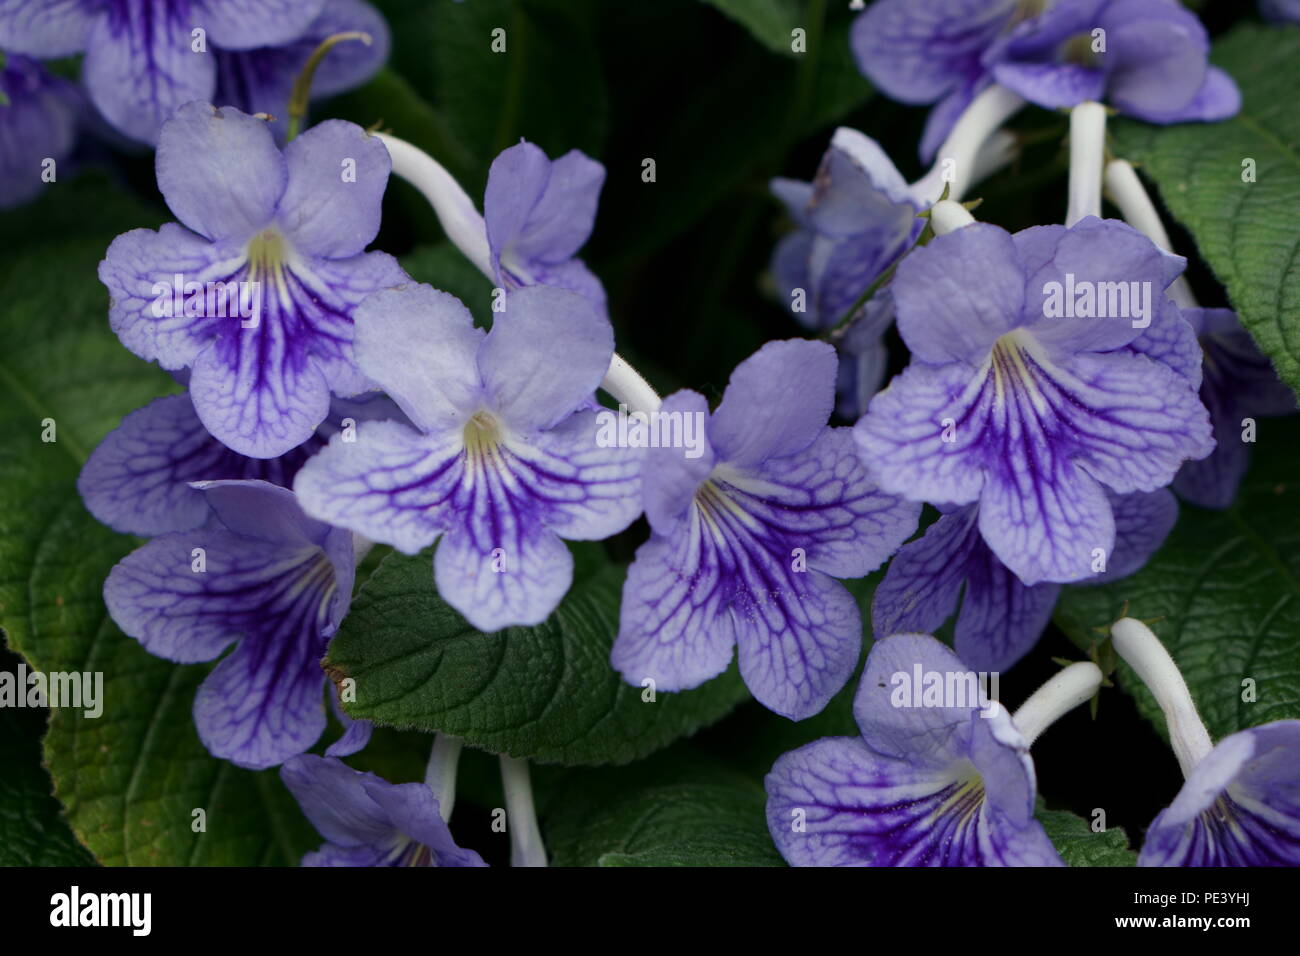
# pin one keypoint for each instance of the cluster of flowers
(360, 406)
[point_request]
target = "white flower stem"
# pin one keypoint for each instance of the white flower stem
(1125, 190)
(959, 161)
(440, 775)
(947, 216)
(464, 226)
(526, 847)
(1065, 691)
(1087, 154)
(1143, 652)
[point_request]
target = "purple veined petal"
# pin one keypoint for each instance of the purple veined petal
(334, 798)
(264, 512)
(1001, 617)
(919, 50)
(391, 484)
(777, 403)
(337, 177)
(244, 24)
(421, 346)
(798, 637)
(537, 210)
(502, 568)
(1171, 340)
(584, 489)
(904, 438)
(822, 501)
(1052, 85)
(38, 123)
(1159, 55)
(924, 579)
(672, 475)
(958, 294)
(46, 28)
(140, 270)
(893, 713)
(220, 170)
(1143, 519)
(140, 69)
(1239, 807)
(414, 811)
(137, 480)
(1009, 833)
(858, 186)
(547, 352)
(675, 624)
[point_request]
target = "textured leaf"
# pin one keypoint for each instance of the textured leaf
(1078, 845)
(1248, 232)
(1223, 594)
(546, 692)
(131, 778)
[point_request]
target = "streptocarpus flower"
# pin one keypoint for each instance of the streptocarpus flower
(264, 576)
(505, 459)
(1031, 405)
(37, 124)
(367, 821)
(260, 80)
(1239, 382)
(138, 481)
(143, 59)
(749, 536)
(1001, 618)
(538, 213)
(943, 783)
(854, 220)
(282, 235)
(1147, 58)
(1240, 804)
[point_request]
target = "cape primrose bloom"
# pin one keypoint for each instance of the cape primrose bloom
(146, 58)
(505, 458)
(255, 290)
(263, 575)
(1147, 58)
(749, 532)
(942, 783)
(854, 220)
(1047, 367)
(38, 123)
(367, 821)
(538, 214)
(1240, 804)
(1239, 384)
(1001, 618)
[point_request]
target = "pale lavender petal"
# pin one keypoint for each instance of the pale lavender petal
(1051, 85)
(414, 810)
(243, 24)
(672, 474)
(924, 580)
(335, 800)
(45, 28)
(1001, 617)
(1143, 519)
(502, 568)
(37, 124)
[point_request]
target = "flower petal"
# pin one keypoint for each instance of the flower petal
(1001, 618)
(334, 798)
(414, 809)
(45, 28)
(244, 24)
(923, 581)
(671, 475)
(502, 569)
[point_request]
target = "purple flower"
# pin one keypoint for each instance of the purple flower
(749, 536)
(854, 220)
(367, 821)
(1280, 11)
(37, 124)
(931, 51)
(1147, 58)
(538, 214)
(270, 255)
(1238, 383)
(147, 58)
(260, 80)
(1001, 618)
(1046, 367)
(925, 785)
(261, 575)
(1240, 805)
(138, 481)
(505, 459)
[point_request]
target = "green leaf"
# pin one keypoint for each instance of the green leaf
(1223, 594)
(770, 21)
(131, 778)
(678, 809)
(33, 831)
(1248, 232)
(546, 692)
(445, 267)
(1079, 845)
